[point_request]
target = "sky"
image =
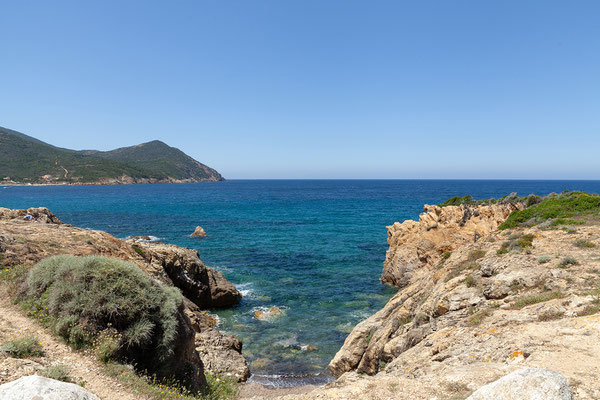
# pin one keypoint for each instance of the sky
(314, 88)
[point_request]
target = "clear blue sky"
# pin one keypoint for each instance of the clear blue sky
(315, 89)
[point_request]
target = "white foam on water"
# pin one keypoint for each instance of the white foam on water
(246, 289)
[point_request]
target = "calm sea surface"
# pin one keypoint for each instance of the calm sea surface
(313, 248)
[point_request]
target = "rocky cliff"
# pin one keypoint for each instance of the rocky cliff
(440, 230)
(476, 303)
(24, 241)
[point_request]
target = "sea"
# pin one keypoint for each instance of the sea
(312, 248)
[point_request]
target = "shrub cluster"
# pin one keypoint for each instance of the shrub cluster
(84, 298)
(28, 346)
(555, 206)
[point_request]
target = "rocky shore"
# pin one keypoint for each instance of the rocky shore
(27, 240)
(484, 308)
(476, 303)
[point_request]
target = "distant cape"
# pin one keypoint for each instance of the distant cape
(24, 159)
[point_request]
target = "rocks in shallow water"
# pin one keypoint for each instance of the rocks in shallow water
(526, 384)
(198, 232)
(269, 314)
(40, 388)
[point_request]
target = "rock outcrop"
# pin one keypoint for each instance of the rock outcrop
(222, 354)
(198, 232)
(40, 388)
(440, 230)
(526, 384)
(27, 242)
(476, 304)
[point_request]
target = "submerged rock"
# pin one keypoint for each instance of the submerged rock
(40, 388)
(526, 384)
(268, 315)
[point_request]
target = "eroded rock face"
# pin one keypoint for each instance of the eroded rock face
(526, 384)
(479, 312)
(40, 388)
(205, 286)
(222, 354)
(414, 244)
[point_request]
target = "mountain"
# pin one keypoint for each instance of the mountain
(24, 159)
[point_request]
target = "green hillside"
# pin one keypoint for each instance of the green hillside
(24, 159)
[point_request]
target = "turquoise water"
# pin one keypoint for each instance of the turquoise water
(312, 248)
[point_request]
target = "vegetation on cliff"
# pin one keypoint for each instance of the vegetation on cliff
(110, 305)
(24, 159)
(511, 198)
(561, 208)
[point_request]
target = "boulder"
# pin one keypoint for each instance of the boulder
(221, 354)
(198, 232)
(40, 388)
(526, 384)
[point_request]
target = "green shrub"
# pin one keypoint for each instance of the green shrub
(589, 310)
(569, 260)
(537, 298)
(526, 240)
(12, 278)
(478, 318)
(566, 205)
(82, 297)
(550, 315)
(585, 244)
(58, 372)
(470, 281)
(28, 346)
(137, 249)
(502, 250)
(218, 388)
(544, 259)
(446, 255)
(475, 255)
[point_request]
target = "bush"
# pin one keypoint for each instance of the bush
(58, 372)
(526, 240)
(565, 205)
(550, 315)
(478, 318)
(476, 255)
(28, 346)
(470, 281)
(585, 244)
(81, 297)
(446, 255)
(544, 259)
(218, 388)
(569, 260)
(538, 298)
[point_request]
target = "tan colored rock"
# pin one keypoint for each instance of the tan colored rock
(221, 354)
(443, 335)
(414, 244)
(268, 315)
(198, 232)
(25, 242)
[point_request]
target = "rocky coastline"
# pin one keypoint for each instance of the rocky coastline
(484, 309)
(26, 241)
